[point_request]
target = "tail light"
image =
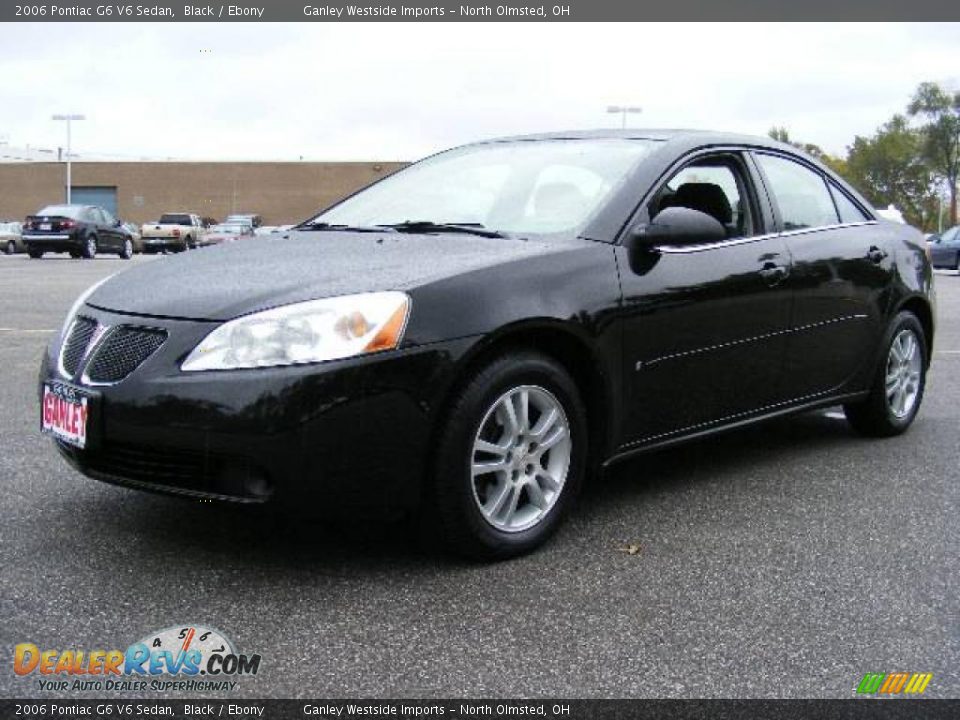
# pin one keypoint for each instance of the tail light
(67, 224)
(176, 233)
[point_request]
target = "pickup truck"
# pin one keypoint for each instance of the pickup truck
(173, 231)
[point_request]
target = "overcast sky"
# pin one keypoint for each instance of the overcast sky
(401, 90)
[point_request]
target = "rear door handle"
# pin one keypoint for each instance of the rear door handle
(875, 254)
(772, 272)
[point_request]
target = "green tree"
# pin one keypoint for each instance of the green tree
(836, 164)
(941, 134)
(889, 167)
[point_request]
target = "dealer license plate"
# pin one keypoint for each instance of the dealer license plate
(64, 413)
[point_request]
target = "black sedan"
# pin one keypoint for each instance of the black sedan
(945, 249)
(475, 335)
(81, 230)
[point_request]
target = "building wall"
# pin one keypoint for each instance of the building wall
(282, 192)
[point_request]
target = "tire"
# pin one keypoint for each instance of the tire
(34, 254)
(127, 252)
(11, 248)
(886, 413)
(471, 514)
(90, 248)
(76, 254)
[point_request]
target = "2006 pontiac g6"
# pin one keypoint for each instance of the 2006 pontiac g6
(478, 333)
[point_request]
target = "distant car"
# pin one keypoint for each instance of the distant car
(11, 237)
(173, 231)
(254, 220)
(81, 230)
(945, 249)
(227, 233)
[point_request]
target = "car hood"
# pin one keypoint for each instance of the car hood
(223, 281)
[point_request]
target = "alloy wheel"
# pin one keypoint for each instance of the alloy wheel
(521, 457)
(904, 367)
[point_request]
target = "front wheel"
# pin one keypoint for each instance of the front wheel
(90, 248)
(11, 247)
(127, 252)
(510, 460)
(897, 389)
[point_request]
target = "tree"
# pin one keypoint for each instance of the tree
(836, 164)
(941, 134)
(889, 167)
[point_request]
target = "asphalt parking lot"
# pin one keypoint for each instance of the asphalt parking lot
(785, 560)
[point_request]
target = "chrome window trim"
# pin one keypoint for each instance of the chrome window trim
(680, 249)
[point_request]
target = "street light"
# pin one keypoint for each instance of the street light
(69, 119)
(622, 110)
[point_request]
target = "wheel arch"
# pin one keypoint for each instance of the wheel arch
(566, 344)
(920, 307)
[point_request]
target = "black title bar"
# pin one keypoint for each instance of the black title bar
(439, 11)
(121, 707)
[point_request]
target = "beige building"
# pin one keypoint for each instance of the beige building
(281, 192)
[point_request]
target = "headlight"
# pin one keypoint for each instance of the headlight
(306, 332)
(77, 304)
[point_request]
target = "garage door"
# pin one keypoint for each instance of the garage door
(105, 197)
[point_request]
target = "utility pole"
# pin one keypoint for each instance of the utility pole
(68, 119)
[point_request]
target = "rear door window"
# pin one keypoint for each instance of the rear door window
(800, 193)
(848, 210)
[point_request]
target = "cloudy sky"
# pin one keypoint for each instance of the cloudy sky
(398, 91)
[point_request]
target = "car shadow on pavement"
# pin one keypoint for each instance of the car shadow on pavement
(250, 535)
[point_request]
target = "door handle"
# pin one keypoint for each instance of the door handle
(875, 254)
(772, 272)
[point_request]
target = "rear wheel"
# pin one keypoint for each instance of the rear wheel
(127, 251)
(90, 248)
(510, 460)
(897, 389)
(34, 253)
(11, 247)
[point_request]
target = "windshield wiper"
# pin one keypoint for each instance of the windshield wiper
(333, 227)
(426, 226)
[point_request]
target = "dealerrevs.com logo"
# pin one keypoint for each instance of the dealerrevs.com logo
(190, 658)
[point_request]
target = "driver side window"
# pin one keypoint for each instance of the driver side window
(715, 186)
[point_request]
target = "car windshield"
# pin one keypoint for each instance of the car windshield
(521, 187)
(175, 220)
(67, 211)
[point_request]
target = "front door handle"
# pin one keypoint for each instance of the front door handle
(773, 273)
(876, 255)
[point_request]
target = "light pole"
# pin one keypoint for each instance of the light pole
(622, 110)
(69, 119)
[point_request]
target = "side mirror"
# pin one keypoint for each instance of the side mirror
(117, 223)
(678, 226)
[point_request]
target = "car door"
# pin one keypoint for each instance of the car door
(842, 273)
(111, 230)
(704, 325)
(945, 252)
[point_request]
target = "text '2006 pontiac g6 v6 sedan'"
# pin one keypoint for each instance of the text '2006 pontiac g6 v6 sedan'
(478, 333)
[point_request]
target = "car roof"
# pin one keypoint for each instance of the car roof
(678, 135)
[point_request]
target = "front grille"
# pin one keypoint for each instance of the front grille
(183, 472)
(122, 351)
(75, 347)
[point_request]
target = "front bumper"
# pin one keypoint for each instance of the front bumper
(347, 432)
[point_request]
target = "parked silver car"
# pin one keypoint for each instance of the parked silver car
(11, 237)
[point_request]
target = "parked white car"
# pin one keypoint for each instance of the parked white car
(11, 237)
